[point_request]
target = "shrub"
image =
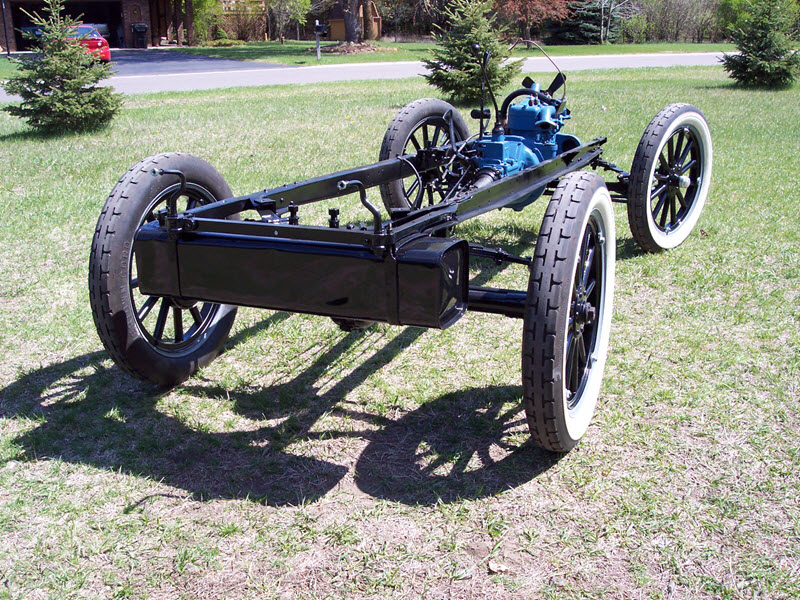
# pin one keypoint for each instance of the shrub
(634, 30)
(58, 84)
(454, 68)
(225, 43)
(768, 56)
(207, 19)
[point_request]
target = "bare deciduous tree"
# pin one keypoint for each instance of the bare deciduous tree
(676, 20)
(613, 9)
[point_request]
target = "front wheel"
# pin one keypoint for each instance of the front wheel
(568, 312)
(157, 339)
(670, 177)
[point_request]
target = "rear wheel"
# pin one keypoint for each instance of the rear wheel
(568, 312)
(424, 123)
(158, 339)
(670, 177)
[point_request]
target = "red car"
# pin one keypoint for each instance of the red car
(90, 38)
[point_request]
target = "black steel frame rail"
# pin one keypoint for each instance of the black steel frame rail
(384, 238)
(212, 218)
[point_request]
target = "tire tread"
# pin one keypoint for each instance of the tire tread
(541, 370)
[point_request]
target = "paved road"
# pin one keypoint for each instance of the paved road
(141, 71)
(219, 75)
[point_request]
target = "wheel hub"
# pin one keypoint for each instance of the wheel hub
(584, 314)
(183, 303)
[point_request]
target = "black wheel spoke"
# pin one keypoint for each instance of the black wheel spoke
(413, 139)
(659, 206)
(685, 153)
(425, 136)
(134, 283)
(580, 349)
(196, 316)
(672, 209)
(671, 151)
(430, 195)
(663, 165)
(688, 166)
(658, 191)
(570, 366)
(177, 323)
(580, 271)
(681, 198)
(665, 212)
(575, 370)
(587, 269)
(414, 186)
(679, 144)
(146, 307)
(161, 320)
(436, 133)
(584, 247)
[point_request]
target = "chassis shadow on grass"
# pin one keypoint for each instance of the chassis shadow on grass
(87, 412)
(466, 444)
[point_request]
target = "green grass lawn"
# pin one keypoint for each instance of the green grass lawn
(392, 463)
(303, 52)
(7, 68)
(583, 50)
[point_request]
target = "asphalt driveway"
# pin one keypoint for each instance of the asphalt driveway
(169, 62)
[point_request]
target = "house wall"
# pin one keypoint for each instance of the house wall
(135, 11)
(8, 32)
(119, 15)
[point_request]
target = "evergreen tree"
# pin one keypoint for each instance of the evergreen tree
(454, 68)
(582, 26)
(58, 83)
(768, 55)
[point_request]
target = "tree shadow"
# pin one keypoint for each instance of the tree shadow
(36, 135)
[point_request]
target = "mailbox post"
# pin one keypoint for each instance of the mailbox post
(319, 31)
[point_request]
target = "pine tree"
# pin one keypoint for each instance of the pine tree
(58, 83)
(582, 26)
(768, 56)
(454, 68)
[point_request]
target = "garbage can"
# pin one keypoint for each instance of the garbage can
(139, 35)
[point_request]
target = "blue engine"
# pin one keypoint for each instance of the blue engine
(532, 137)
